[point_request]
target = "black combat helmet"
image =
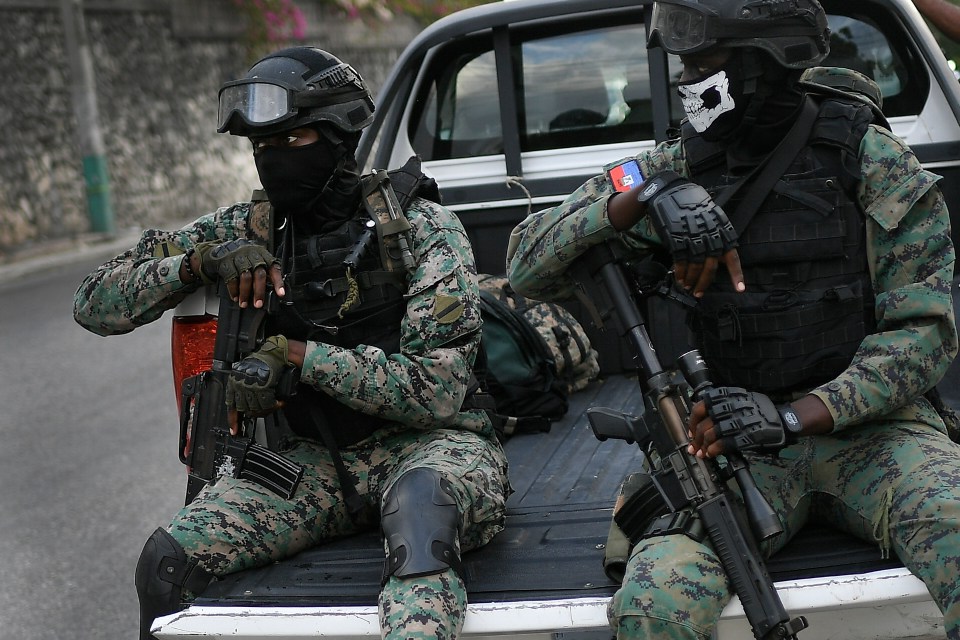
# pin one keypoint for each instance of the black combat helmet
(291, 88)
(793, 32)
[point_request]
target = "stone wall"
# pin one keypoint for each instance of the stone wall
(158, 65)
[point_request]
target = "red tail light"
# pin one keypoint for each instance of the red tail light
(191, 341)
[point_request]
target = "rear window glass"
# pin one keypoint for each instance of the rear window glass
(576, 89)
(857, 45)
(592, 87)
(857, 42)
(585, 88)
(460, 115)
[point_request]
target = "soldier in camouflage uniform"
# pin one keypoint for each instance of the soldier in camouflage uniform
(385, 354)
(824, 313)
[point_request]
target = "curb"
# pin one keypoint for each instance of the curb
(57, 253)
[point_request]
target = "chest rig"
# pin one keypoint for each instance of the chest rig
(808, 300)
(346, 288)
(340, 292)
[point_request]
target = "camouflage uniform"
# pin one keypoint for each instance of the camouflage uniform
(888, 471)
(235, 524)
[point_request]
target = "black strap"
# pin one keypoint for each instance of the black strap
(685, 521)
(771, 170)
(512, 425)
(410, 182)
(175, 568)
(350, 495)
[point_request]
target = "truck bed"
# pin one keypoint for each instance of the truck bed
(565, 484)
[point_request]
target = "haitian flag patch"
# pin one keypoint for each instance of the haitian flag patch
(625, 175)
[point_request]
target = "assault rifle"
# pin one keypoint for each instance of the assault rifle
(206, 444)
(685, 482)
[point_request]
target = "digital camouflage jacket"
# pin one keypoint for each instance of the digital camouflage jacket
(910, 255)
(422, 386)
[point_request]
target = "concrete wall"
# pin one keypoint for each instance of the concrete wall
(158, 65)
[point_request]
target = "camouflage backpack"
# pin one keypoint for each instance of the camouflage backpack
(533, 356)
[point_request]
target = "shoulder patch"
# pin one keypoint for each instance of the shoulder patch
(625, 175)
(166, 249)
(447, 309)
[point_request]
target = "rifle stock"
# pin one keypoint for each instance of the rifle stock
(684, 480)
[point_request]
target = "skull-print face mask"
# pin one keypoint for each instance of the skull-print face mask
(715, 104)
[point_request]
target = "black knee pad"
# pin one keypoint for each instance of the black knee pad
(420, 522)
(162, 574)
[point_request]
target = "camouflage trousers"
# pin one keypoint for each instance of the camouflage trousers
(235, 524)
(896, 483)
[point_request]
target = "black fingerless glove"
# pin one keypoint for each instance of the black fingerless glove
(689, 223)
(749, 421)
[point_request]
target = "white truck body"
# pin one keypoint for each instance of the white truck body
(500, 167)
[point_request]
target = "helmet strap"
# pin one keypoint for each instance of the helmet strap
(773, 101)
(760, 82)
(341, 194)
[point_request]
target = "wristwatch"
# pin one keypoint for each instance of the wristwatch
(791, 422)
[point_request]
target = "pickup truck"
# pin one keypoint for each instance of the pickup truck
(511, 106)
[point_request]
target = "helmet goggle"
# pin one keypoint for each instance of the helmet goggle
(260, 102)
(681, 29)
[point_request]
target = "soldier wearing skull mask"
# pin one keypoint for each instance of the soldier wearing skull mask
(817, 252)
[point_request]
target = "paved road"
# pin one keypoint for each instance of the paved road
(88, 465)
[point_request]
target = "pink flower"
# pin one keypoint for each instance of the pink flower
(299, 24)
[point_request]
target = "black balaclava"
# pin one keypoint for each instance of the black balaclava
(778, 100)
(316, 186)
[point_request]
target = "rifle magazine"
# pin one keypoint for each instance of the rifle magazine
(271, 471)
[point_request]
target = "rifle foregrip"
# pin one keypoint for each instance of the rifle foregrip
(748, 574)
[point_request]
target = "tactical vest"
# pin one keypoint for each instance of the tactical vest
(808, 302)
(347, 288)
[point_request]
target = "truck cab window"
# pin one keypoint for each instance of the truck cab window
(460, 113)
(585, 88)
(859, 43)
(588, 85)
